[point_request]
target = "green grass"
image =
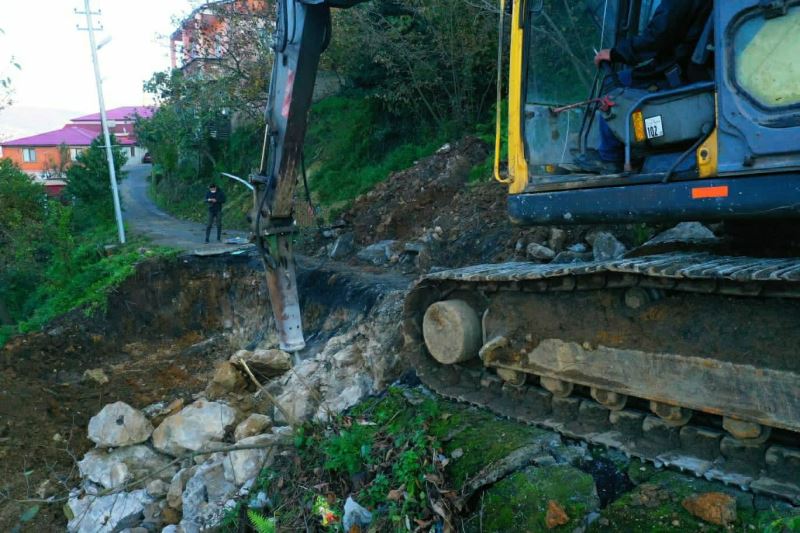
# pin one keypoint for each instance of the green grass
(81, 275)
(352, 145)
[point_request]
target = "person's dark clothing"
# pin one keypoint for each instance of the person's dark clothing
(214, 216)
(215, 211)
(668, 40)
(219, 196)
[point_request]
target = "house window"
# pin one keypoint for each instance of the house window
(29, 155)
(133, 151)
(74, 153)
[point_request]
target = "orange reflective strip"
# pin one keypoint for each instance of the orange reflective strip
(710, 192)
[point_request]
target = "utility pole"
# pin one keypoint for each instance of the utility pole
(103, 120)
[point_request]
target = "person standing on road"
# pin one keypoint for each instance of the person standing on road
(214, 198)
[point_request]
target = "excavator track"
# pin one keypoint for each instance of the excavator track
(684, 360)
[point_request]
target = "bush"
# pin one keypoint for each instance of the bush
(52, 256)
(352, 144)
(88, 181)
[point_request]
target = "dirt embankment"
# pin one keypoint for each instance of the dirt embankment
(432, 211)
(157, 340)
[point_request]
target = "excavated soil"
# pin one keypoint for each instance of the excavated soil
(473, 226)
(157, 341)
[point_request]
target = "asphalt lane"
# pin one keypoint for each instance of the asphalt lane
(143, 217)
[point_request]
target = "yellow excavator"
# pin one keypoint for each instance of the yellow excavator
(682, 359)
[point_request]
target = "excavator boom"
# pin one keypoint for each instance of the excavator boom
(302, 34)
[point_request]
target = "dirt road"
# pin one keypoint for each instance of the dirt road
(143, 217)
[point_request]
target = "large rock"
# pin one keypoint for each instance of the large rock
(339, 400)
(244, 465)
(119, 424)
(226, 379)
(254, 424)
(114, 469)
(177, 486)
(193, 427)
(685, 232)
(205, 495)
(605, 247)
(353, 364)
(539, 252)
(343, 246)
(379, 253)
(714, 507)
(264, 363)
(522, 500)
(298, 403)
(106, 514)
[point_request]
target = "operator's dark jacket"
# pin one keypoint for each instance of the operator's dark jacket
(215, 207)
(669, 39)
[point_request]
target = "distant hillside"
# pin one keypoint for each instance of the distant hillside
(21, 121)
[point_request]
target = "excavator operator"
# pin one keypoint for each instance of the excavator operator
(658, 58)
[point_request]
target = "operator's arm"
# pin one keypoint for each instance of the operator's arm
(663, 32)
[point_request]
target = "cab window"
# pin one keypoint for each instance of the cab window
(766, 53)
(562, 37)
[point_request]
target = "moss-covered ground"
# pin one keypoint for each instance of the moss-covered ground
(407, 456)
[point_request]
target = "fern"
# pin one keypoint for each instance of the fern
(261, 522)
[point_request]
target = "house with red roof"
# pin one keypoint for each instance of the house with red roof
(45, 155)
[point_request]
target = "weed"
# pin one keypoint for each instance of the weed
(791, 523)
(261, 523)
(641, 234)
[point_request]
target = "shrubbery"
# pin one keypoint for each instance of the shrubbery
(415, 74)
(52, 251)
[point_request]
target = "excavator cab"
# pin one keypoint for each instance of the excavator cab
(723, 147)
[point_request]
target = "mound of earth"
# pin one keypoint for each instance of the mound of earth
(433, 211)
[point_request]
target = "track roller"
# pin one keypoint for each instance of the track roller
(746, 431)
(611, 400)
(557, 387)
(671, 414)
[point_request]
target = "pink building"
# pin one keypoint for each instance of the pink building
(45, 154)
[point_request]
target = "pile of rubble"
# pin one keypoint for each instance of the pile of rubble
(178, 468)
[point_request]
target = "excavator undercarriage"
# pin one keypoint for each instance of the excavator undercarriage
(686, 360)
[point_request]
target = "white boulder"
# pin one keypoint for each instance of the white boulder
(254, 424)
(106, 514)
(193, 427)
(119, 424)
(205, 495)
(114, 469)
(243, 465)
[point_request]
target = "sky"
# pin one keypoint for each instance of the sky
(56, 66)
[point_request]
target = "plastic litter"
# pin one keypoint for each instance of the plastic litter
(355, 515)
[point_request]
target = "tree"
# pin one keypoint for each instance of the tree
(229, 51)
(22, 220)
(434, 59)
(57, 168)
(89, 183)
(221, 86)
